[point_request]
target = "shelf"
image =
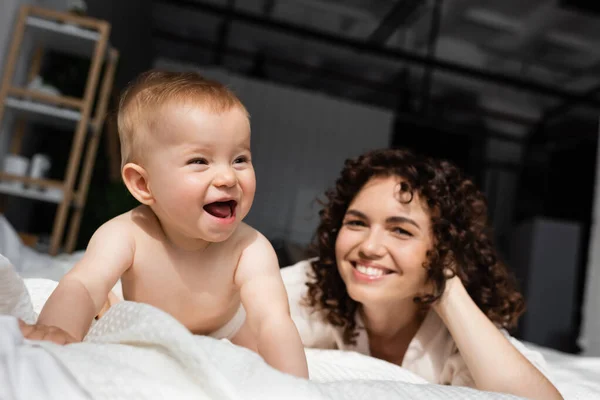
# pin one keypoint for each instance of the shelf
(46, 30)
(49, 183)
(66, 38)
(60, 100)
(44, 113)
(51, 195)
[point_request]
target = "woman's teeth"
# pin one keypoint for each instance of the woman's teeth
(370, 271)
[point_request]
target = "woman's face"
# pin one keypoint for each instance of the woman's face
(382, 244)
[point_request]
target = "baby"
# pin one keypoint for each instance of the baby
(185, 144)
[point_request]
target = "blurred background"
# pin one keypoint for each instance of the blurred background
(508, 90)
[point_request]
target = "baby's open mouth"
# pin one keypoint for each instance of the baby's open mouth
(221, 209)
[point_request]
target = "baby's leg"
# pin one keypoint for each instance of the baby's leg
(245, 338)
(111, 301)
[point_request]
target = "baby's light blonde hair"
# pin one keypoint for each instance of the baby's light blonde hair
(140, 103)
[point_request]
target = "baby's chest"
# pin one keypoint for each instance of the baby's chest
(198, 297)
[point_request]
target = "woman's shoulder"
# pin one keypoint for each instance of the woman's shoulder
(314, 331)
(295, 278)
(297, 274)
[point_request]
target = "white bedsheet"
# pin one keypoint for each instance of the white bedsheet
(103, 358)
(578, 377)
(139, 352)
(30, 263)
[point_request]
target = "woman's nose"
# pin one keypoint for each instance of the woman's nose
(372, 246)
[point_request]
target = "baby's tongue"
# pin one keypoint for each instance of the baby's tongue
(219, 209)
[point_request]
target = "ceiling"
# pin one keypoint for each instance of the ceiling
(376, 51)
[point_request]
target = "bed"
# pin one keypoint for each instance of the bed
(137, 351)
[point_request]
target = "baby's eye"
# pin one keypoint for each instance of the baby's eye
(200, 161)
(241, 160)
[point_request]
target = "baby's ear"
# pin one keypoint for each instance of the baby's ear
(136, 180)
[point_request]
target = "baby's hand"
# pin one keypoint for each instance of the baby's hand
(47, 333)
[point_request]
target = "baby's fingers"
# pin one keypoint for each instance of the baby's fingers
(26, 329)
(68, 339)
(45, 333)
(35, 333)
(58, 336)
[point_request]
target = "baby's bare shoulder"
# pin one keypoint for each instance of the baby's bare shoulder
(143, 221)
(119, 226)
(252, 243)
(130, 227)
(246, 236)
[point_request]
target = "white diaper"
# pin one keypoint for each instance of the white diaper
(230, 329)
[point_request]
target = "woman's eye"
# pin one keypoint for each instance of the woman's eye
(354, 222)
(200, 161)
(400, 231)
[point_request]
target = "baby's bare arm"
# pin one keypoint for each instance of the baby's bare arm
(83, 291)
(265, 300)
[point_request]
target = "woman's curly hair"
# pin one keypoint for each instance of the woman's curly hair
(461, 235)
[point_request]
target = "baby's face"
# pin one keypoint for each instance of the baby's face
(200, 171)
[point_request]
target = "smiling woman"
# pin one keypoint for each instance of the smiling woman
(407, 272)
(375, 224)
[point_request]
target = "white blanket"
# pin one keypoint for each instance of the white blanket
(29, 262)
(139, 352)
(576, 376)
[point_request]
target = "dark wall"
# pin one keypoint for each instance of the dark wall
(558, 183)
(586, 6)
(131, 34)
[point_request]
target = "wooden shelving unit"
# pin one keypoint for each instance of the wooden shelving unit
(82, 36)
